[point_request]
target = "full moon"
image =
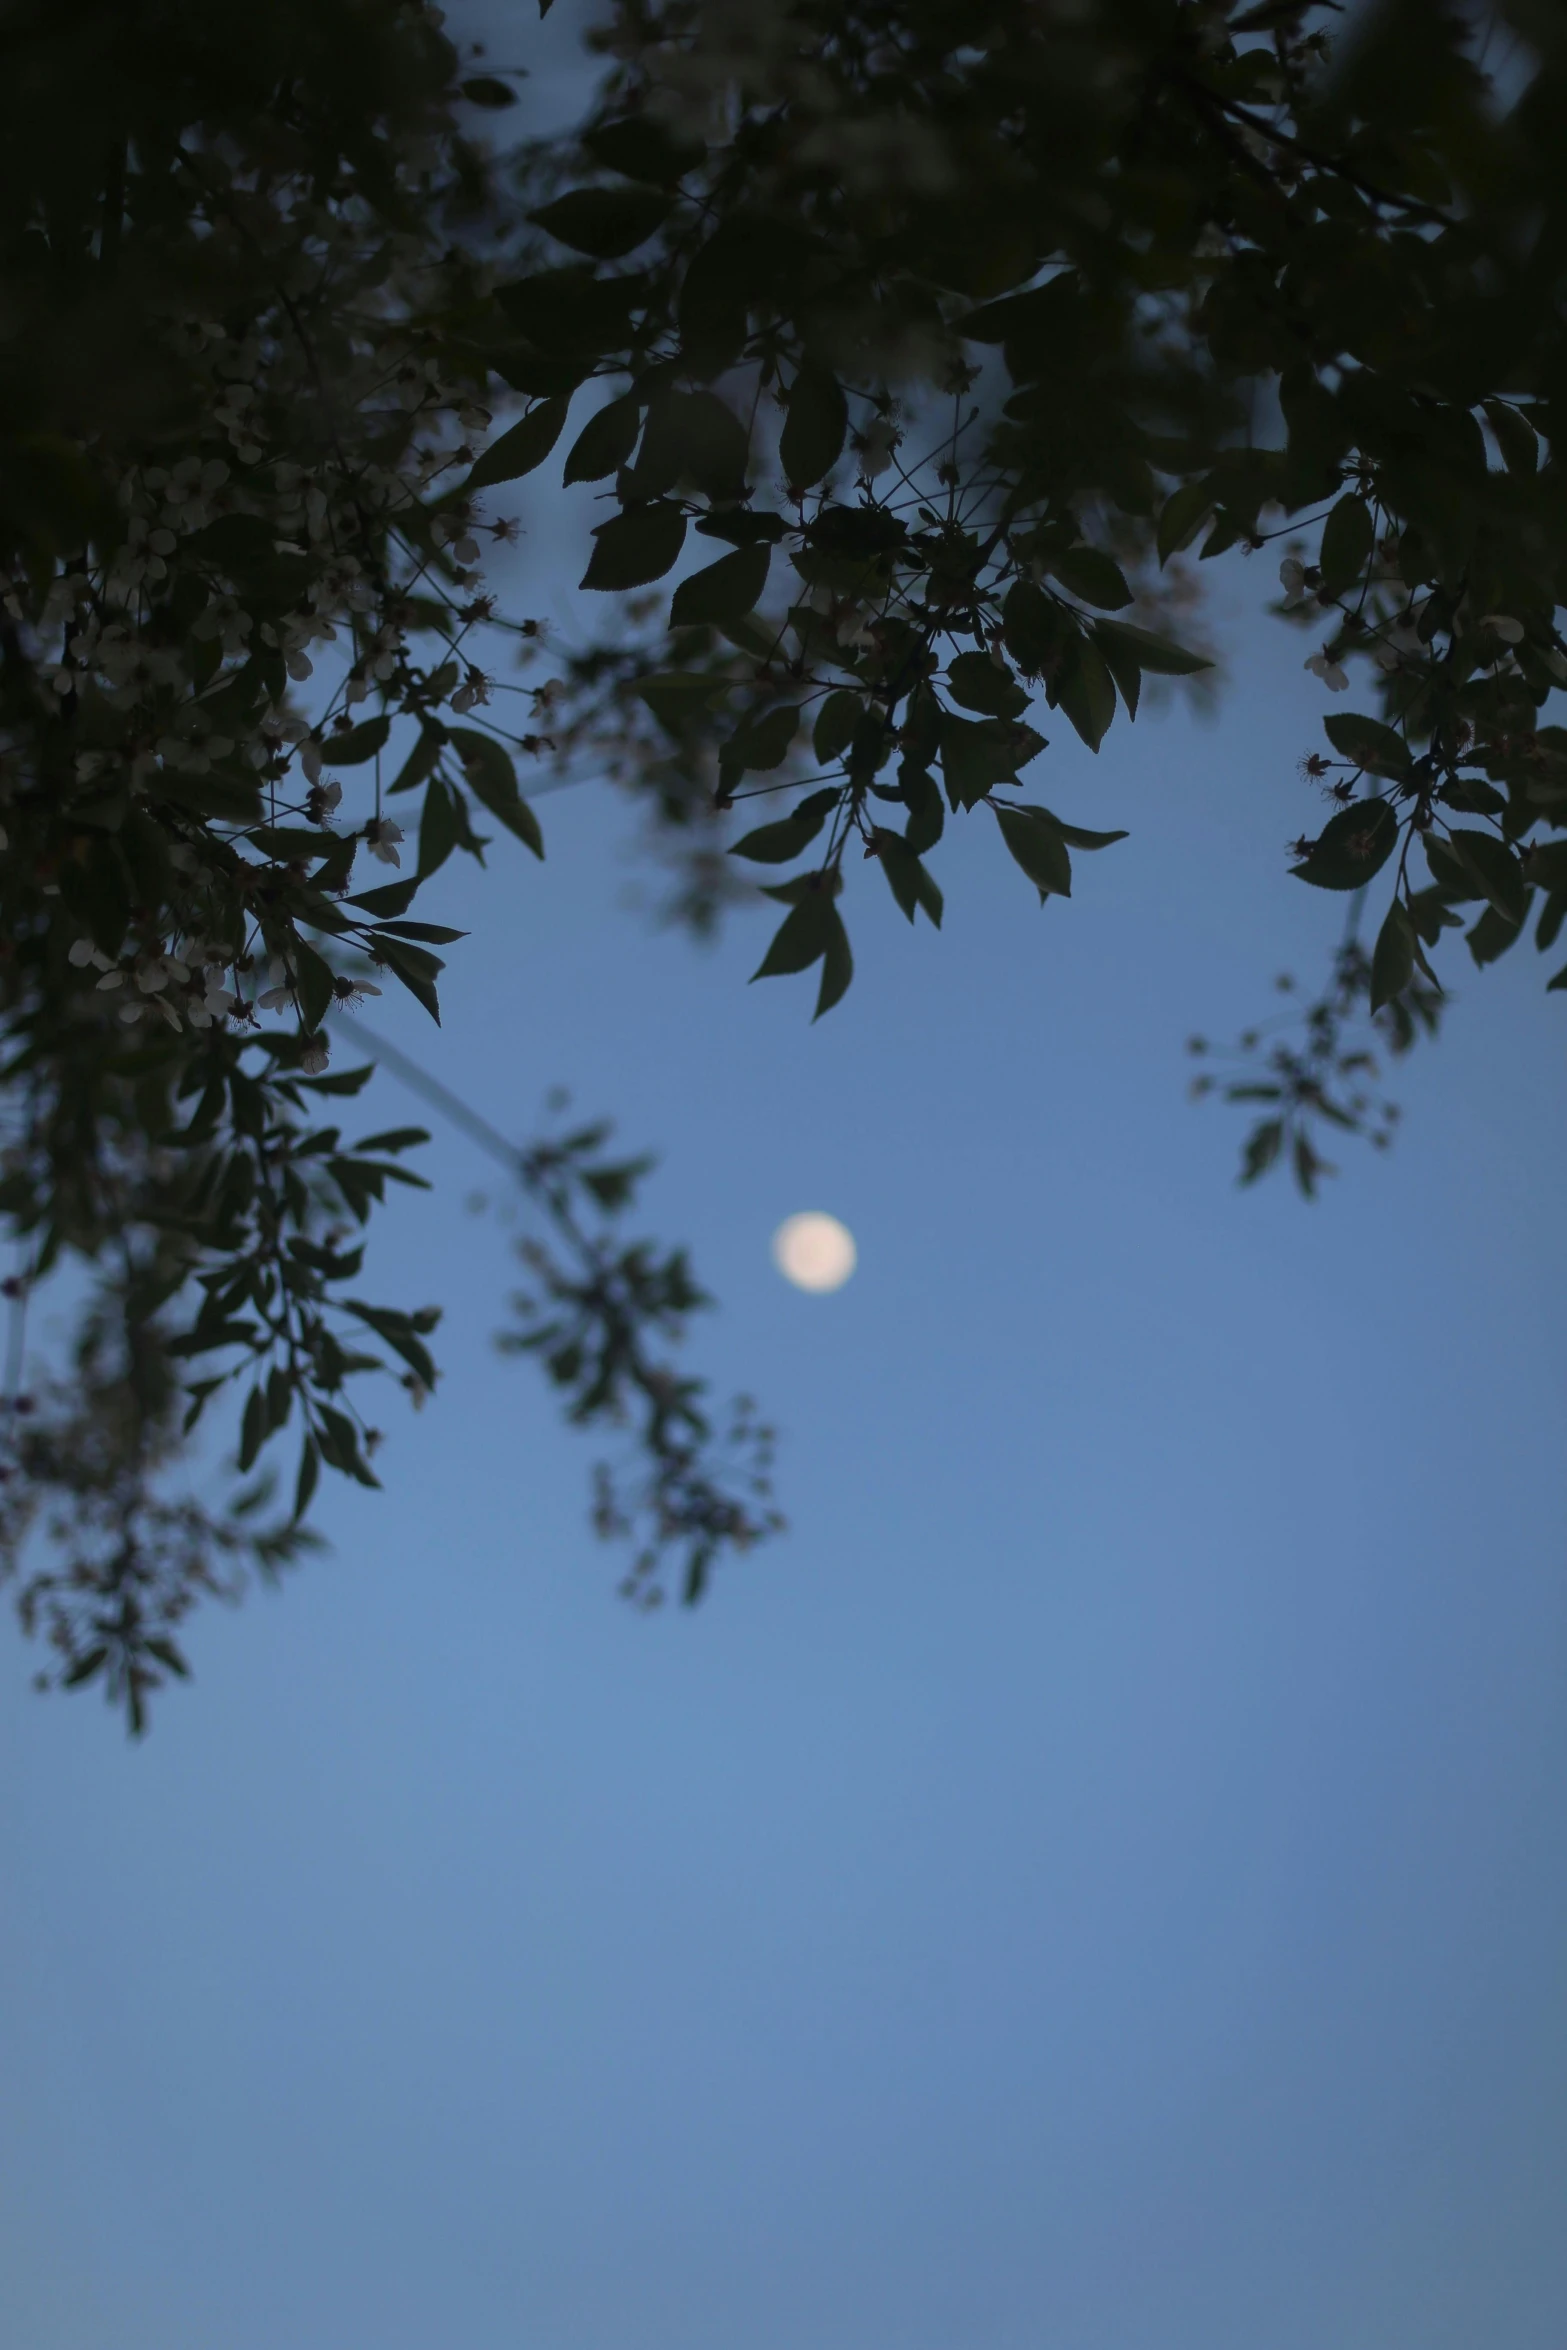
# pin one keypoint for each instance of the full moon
(814, 1252)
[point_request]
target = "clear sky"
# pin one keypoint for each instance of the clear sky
(1098, 1882)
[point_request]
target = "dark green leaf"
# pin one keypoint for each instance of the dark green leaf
(340, 1081)
(338, 1440)
(791, 835)
(491, 777)
(1545, 864)
(1450, 876)
(1160, 656)
(1037, 629)
(200, 1342)
(691, 437)
(762, 742)
(1552, 915)
(678, 699)
(980, 683)
(814, 429)
(744, 526)
(421, 760)
(836, 721)
(1492, 936)
(725, 590)
(308, 1474)
(1370, 744)
(1122, 666)
(979, 753)
(568, 317)
(1093, 577)
(857, 533)
(483, 89)
(218, 793)
(313, 978)
(1353, 846)
(1038, 847)
(837, 964)
(1495, 871)
(414, 967)
(1393, 959)
(637, 547)
(1182, 517)
(253, 1428)
(526, 445)
(604, 222)
(395, 1138)
(292, 844)
(398, 1333)
(1085, 690)
(1348, 536)
(801, 937)
(1262, 1147)
(1035, 326)
(357, 745)
(605, 441)
(554, 373)
(871, 745)
(750, 256)
(394, 897)
(1073, 834)
(911, 885)
(641, 149)
(927, 816)
(440, 828)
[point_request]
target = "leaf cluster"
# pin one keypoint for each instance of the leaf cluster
(911, 363)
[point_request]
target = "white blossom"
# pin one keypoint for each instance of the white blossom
(348, 994)
(1401, 643)
(875, 446)
(380, 836)
(278, 990)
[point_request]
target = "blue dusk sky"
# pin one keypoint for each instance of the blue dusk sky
(1097, 1881)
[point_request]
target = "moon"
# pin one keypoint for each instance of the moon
(814, 1251)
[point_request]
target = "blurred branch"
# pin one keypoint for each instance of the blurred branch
(602, 1316)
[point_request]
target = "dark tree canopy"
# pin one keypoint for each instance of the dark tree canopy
(917, 356)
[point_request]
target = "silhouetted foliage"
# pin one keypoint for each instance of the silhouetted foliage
(915, 346)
